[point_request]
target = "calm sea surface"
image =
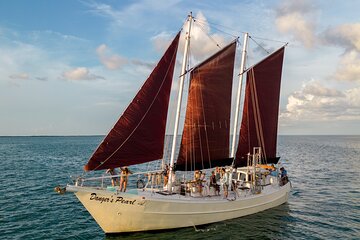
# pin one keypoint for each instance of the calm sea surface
(324, 202)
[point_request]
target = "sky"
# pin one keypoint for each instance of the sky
(71, 67)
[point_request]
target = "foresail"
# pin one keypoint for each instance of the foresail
(261, 107)
(138, 136)
(205, 139)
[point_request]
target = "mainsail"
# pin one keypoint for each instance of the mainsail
(138, 136)
(261, 107)
(205, 139)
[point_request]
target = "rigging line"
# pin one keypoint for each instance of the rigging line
(211, 38)
(259, 45)
(271, 40)
(147, 111)
(258, 116)
(234, 30)
(199, 128)
(257, 63)
(210, 24)
(253, 106)
(205, 129)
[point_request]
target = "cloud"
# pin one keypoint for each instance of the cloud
(348, 37)
(22, 76)
(140, 63)
(41, 78)
(109, 60)
(317, 103)
(349, 67)
(161, 41)
(297, 18)
(121, 17)
(80, 73)
(345, 35)
(203, 42)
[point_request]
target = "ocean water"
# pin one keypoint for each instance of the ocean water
(324, 202)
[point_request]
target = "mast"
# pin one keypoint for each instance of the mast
(242, 66)
(177, 117)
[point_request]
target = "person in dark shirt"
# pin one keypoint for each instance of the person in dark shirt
(114, 180)
(283, 177)
(213, 183)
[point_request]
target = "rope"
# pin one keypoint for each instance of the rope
(211, 38)
(271, 40)
(257, 114)
(206, 135)
(259, 45)
(214, 24)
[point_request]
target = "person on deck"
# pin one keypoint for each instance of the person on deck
(197, 179)
(217, 175)
(213, 183)
(166, 175)
(224, 180)
(273, 171)
(114, 180)
(283, 177)
(124, 178)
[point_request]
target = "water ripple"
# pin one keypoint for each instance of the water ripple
(324, 202)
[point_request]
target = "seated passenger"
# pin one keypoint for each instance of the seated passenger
(283, 177)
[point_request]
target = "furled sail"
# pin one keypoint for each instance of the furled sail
(138, 136)
(205, 139)
(261, 107)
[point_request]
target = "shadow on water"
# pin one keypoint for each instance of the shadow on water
(264, 225)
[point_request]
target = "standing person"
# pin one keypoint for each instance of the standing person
(217, 175)
(124, 178)
(224, 180)
(166, 175)
(197, 180)
(203, 187)
(213, 183)
(114, 180)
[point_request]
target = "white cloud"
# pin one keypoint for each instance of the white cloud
(80, 73)
(203, 42)
(22, 76)
(128, 16)
(108, 59)
(349, 67)
(317, 103)
(345, 35)
(297, 18)
(348, 37)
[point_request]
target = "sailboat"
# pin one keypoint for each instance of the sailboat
(139, 137)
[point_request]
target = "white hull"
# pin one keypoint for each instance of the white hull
(124, 212)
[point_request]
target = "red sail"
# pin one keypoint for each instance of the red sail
(138, 136)
(205, 139)
(261, 107)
